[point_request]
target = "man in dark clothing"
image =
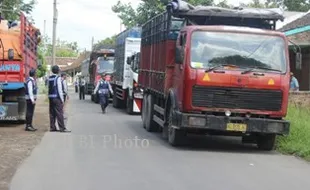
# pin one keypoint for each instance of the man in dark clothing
(82, 88)
(56, 101)
(103, 87)
(31, 97)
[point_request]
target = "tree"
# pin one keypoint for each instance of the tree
(145, 10)
(63, 48)
(12, 8)
(289, 5)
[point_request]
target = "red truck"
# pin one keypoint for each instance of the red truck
(18, 54)
(100, 61)
(209, 70)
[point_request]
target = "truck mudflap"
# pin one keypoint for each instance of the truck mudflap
(232, 124)
(10, 112)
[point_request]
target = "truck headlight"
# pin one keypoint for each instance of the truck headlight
(197, 121)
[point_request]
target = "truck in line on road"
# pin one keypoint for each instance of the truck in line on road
(100, 61)
(127, 94)
(18, 55)
(215, 71)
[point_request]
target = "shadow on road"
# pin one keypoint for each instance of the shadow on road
(199, 142)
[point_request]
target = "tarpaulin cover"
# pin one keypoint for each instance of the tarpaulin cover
(183, 8)
(11, 40)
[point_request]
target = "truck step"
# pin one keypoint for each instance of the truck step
(158, 120)
(158, 109)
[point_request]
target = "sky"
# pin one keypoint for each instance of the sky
(80, 20)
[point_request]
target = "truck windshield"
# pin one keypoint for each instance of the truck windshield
(211, 49)
(105, 65)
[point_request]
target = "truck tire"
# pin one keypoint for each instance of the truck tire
(144, 110)
(129, 105)
(175, 136)
(116, 102)
(150, 125)
(266, 142)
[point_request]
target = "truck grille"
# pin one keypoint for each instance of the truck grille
(236, 98)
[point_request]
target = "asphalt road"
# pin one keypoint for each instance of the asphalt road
(114, 152)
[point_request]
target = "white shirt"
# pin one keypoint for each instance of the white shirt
(30, 90)
(64, 82)
(83, 82)
(97, 86)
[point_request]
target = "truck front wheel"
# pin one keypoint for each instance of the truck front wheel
(151, 125)
(175, 136)
(266, 142)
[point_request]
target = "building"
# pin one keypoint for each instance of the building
(73, 69)
(62, 62)
(297, 29)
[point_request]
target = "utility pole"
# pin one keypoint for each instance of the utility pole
(92, 43)
(54, 33)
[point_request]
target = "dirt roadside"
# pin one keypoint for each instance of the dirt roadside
(17, 144)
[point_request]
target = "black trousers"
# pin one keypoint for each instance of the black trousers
(82, 92)
(29, 112)
(76, 89)
(65, 98)
(56, 113)
(104, 101)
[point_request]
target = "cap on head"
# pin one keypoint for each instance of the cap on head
(32, 72)
(63, 74)
(55, 69)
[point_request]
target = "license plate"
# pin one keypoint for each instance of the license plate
(236, 127)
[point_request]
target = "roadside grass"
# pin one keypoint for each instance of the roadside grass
(298, 141)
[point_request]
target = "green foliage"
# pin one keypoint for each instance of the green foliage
(298, 141)
(148, 9)
(12, 8)
(107, 41)
(63, 48)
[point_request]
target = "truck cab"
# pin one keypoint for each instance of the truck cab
(104, 65)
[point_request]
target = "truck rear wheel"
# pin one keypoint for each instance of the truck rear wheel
(266, 142)
(129, 105)
(175, 136)
(144, 110)
(151, 125)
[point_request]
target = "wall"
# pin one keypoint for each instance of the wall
(302, 75)
(300, 98)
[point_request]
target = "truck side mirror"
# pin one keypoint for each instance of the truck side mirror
(298, 62)
(178, 55)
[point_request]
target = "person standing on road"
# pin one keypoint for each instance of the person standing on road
(76, 85)
(103, 87)
(82, 88)
(56, 101)
(64, 86)
(31, 97)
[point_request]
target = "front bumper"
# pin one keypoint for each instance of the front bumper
(11, 112)
(220, 123)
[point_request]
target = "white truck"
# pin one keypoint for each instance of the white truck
(124, 82)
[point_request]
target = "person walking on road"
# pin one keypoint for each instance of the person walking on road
(56, 101)
(82, 88)
(64, 86)
(31, 97)
(103, 87)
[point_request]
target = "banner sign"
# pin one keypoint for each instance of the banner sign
(10, 67)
